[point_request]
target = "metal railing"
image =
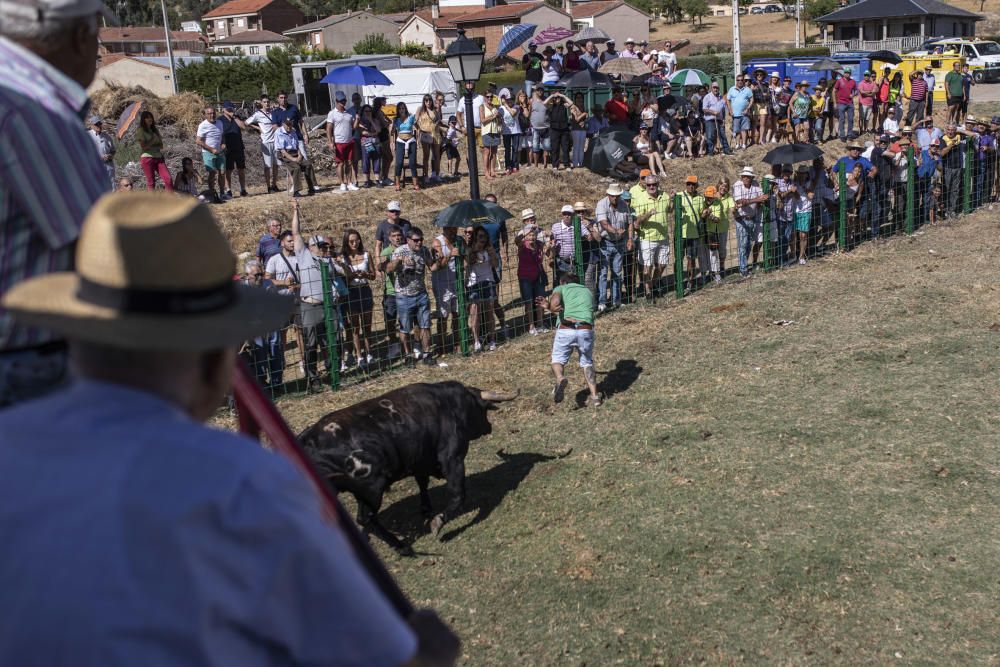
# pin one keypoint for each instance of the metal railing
(899, 44)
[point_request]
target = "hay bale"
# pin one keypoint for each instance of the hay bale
(110, 102)
(184, 111)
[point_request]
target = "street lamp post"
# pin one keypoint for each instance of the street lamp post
(465, 60)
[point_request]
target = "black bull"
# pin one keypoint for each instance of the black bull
(420, 430)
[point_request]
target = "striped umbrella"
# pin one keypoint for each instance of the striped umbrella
(625, 67)
(517, 35)
(591, 34)
(552, 34)
(690, 77)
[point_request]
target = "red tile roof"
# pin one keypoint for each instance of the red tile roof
(115, 57)
(237, 7)
(585, 10)
(501, 12)
(444, 20)
(252, 37)
(145, 34)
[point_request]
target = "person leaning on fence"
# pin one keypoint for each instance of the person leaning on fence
(748, 197)
(565, 240)
(531, 277)
(951, 170)
(497, 229)
(652, 223)
(718, 228)
(390, 313)
(590, 246)
(481, 259)
(312, 297)
(801, 203)
(359, 270)
(282, 269)
(444, 251)
(614, 217)
(262, 121)
(408, 263)
(574, 305)
(691, 206)
(265, 353)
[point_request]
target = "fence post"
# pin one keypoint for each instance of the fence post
(578, 250)
(911, 185)
(463, 317)
(967, 178)
(765, 218)
(842, 209)
(332, 354)
(678, 250)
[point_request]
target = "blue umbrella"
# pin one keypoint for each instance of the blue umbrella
(356, 75)
(518, 34)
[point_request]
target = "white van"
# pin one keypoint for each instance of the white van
(983, 56)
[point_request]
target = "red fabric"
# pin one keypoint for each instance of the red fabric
(844, 90)
(616, 111)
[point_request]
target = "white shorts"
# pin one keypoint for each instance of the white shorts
(270, 155)
(566, 339)
(654, 253)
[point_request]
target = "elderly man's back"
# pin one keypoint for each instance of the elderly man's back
(134, 535)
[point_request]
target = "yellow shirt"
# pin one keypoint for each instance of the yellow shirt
(691, 208)
(818, 102)
(719, 212)
(657, 228)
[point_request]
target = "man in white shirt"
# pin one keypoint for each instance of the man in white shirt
(668, 58)
(262, 122)
(340, 139)
(629, 51)
(105, 147)
(213, 151)
(749, 229)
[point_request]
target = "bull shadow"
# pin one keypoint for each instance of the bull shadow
(484, 492)
(617, 380)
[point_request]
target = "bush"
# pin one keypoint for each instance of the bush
(374, 44)
(237, 79)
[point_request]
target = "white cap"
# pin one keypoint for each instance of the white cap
(629, 40)
(42, 10)
(527, 213)
(775, 75)
(568, 208)
(393, 206)
(747, 171)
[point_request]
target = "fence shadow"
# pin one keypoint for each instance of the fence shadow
(484, 492)
(615, 381)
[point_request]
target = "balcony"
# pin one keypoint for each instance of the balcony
(897, 44)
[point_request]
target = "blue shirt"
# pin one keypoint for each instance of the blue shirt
(739, 100)
(149, 539)
(493, 229)
(928, 164)
(278, 115)
(267, 247)
(50, 176)
(848, 165)
(284, 140)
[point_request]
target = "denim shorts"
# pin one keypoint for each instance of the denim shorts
(481, 291)
(741, 124)
(540, 143)
(531, 289)
(413, 307)
(389, 307)
(567, 339)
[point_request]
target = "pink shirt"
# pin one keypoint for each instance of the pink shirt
(844, 90)
(867, 87)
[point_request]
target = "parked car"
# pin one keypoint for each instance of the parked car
(773, 9)
(756, 10)
(743, 11)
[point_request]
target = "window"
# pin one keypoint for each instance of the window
(221, 25)
(255, 50)
(580, 25)
(317, 38)
(241, 22)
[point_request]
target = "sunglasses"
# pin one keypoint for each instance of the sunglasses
(416, 239)
(256, 275)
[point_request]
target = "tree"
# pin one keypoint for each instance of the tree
(673, 10)
(374, 43)
(815, 8)
(695, 9)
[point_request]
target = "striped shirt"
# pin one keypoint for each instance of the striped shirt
(50, 175)
(918, 89)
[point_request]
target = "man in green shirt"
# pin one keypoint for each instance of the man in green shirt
(691, 206)
(652, 224)
(955, 91)
(389, 292)
(575, 305)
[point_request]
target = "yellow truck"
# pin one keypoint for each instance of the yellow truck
(940, 64)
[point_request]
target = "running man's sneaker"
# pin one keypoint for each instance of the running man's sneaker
(594, 401)
(559, 392)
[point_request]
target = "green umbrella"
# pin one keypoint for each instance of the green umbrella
(472, 212)
(690, 77)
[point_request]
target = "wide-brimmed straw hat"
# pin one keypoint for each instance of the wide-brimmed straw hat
(153, 271)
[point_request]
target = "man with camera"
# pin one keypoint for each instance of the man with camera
(409, 263)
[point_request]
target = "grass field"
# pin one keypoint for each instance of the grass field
(821, 492)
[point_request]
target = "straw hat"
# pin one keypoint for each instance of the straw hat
(614, 190)
(129, 291)
(580, 206)
(748, 171)
(527, 213)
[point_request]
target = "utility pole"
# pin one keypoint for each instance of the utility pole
(737, 64)
(170, 48)
(798, 24)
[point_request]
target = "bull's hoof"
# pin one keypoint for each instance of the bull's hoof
(437, 523)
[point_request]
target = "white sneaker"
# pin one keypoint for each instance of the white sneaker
(542, 330)
(316, 188)
(492, 347)
(802, 261)
(478, 347)
(533, 331)
(601, 308)
(353, 187)
(343, 187)
(369, 359)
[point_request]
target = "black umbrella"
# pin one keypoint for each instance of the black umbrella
(471, 212)
(792, 153)
(886, 56)
(607, 149)
(825, 64)
(586, 79)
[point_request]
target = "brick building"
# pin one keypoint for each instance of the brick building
(238, 16)
(148, 41)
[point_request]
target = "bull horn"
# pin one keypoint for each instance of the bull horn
(499, 396)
